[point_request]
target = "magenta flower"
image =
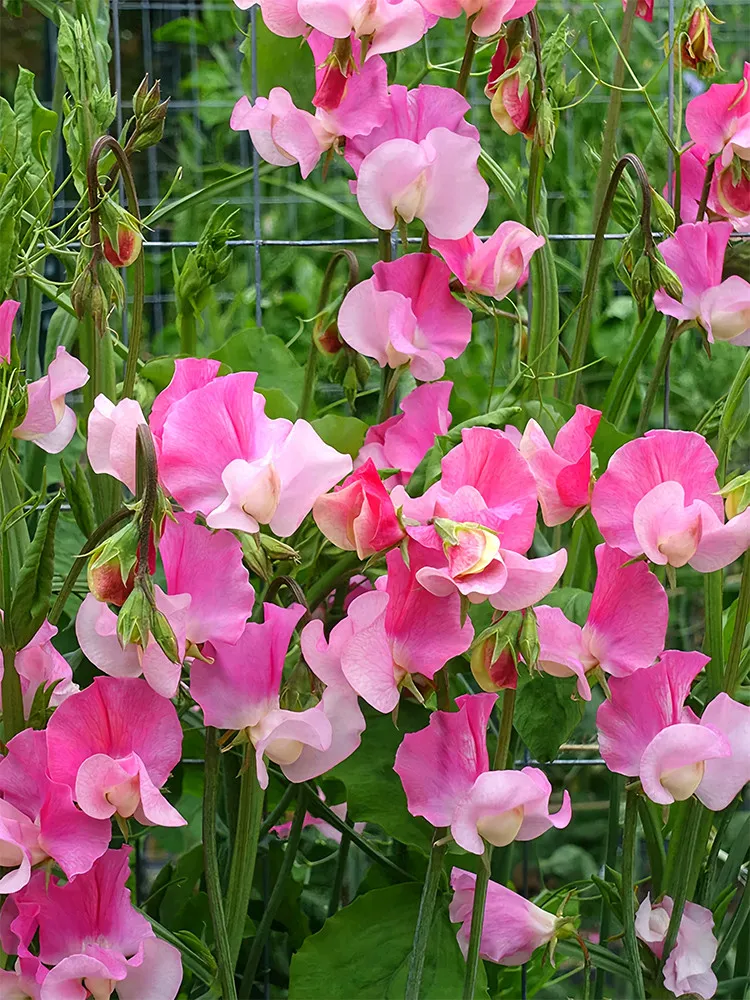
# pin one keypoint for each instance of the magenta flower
(91, 936)
(644, 9)
(189, 374)
(40, 665)
(49, 423)
(513, 928)
(659, 496)
(489, 15)
(444, 769)
(244, 469)
(646, 730)
(24, 981)
(359, 515)
(562, 471)
(8, 310)
(688, 968)
(623, 594)
(353, 104)
(114, 744)
(722, 308)
(111, 444)
(494, 266)
(405, 315)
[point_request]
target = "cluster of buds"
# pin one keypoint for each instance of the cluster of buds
(645, 270)
(495, 652)
(697, 50)
(149, 112)
(349, 369)
(261, 551)
(96, 287)
(206, 265)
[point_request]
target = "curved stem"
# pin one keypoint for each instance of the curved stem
(628, 891)
(471, 43)
(242, 868)
(344, 566)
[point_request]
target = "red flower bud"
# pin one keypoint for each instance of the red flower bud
(331, 89)
(105, 583)
(508, 90)
(329, 341)
(697, 49)
(127, 250)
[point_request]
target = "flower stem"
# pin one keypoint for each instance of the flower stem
(628, 891)
(471, 43)
(658, 373)
(426, 914)
(338, 881)
(610, 861)
(344, 566)
(242, 867)
(732, 669)
(713, 639)
(684, 848)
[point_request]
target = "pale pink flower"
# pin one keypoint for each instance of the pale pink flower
(562, 471)
(488, 15)
(722, 308)
(39, 664)
(513, 927)
(111, 445)
(49, 423)
(359, 515)
(189, 374)
(494, 266)
(8, 310)
(24, 981)
(688, 967)
(243, 469)
(446, 775)
(623, 594)
(405, 314)
(659, 496)
(114, 744)
(91, 936)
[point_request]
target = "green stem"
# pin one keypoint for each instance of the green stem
(338, 881)
(308, 386)
(684, 849)
(344, 566)
(616, 783)
(278, 811)
(426, 915)
(621, 386)
(727, 428)
(471, 43)
(279, 890)
(713, 640)
(544, 322)
(13, 717)
(211, 867)
(732, 668)
(242, 868)
(188, 327)
(656, 377)
(384, 245)
(628, 891)
(652, 834)
(389, 386)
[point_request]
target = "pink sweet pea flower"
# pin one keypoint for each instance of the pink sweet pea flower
(38, 819)
(644, 9)
(279, 16)
(262, 472)
(562, 471)
(488, 15)
(114, 744)
(359, 515)
(444, 769)
(189, 374)
(390, 25)
(494, 266)
(513, 927)
(510, 105)
(350, 103)
(111, 445)
(418, 180)
(8, 310)
(405, 314)
(39, 665)
(722, 308)
(402, 441)
(659, 496)
(688, 968)
(25, 981)
(92, 936)
(49, 423)
(282, 830)
(622, 595)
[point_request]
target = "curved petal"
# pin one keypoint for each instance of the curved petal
(723, 780)
(680, 748)
(529, 580)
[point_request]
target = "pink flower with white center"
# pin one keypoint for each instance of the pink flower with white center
(513, 927)
(405, 314)
(488, 15)
(643, 9)
(111, 444)
(114, 744)
(402, 441)
(244, 469)
(304, 744)
(359, 515)
(39, 664)
(38, 819)
(8, 310)
(722, 308)
(623, 594)
(446, 775)
(660, 497)
(688, 968)
(494, 266)
(400, 630)
(49, 423)
(350, 103)
(91, 936)
(562, 471)
(646, 730)
(189, 374)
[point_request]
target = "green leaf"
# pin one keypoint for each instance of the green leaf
(606, 442)
(546, 713)
(374, 790)
(574, 603)
(33, 589)
(345, 434)
(363, 951)
(184, 30)
(10, 203)
(254, 350)
(278, 404)
(80, 497)
(35, 127)
(495, 418)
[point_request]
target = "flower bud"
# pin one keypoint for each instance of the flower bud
(278, 550)
(545, 128)
(337, 68)
(664, 277)
(255, 556)
(663, 211)
(145, 99)
(163, 633)
(122, 238)
(508, 87)
(494, 654)
(697, 50)
(640, 280)
(528, 639)
(328, 339)
(150, 128)
(110, 567)
(736, 495)
(134, 619)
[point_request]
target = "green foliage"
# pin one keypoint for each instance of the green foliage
(547, 712)
(31, 599)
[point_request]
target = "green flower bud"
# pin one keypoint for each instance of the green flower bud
(528, 640)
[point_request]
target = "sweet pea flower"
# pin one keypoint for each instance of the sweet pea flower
(114, 744)
(645, 729)
(403, 440)
(446, 775)
(513, 927)
(643, 9)
(488, 14)
(279, 16)
(509, 92)
(304, 744)
(8, 310)
(24, 981)
(697, 50)
(359, 515)
(49, 423)
(688, 968)
(562, 471)
(659, 496)
(494, 266)
(38, 819)
(39, 664)
(189, 374)
(91, 936)
(282, 830)
(405, 315)
(111, 444)
(623, 596)
(721, 308)
(352, 100)
(244, 469)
